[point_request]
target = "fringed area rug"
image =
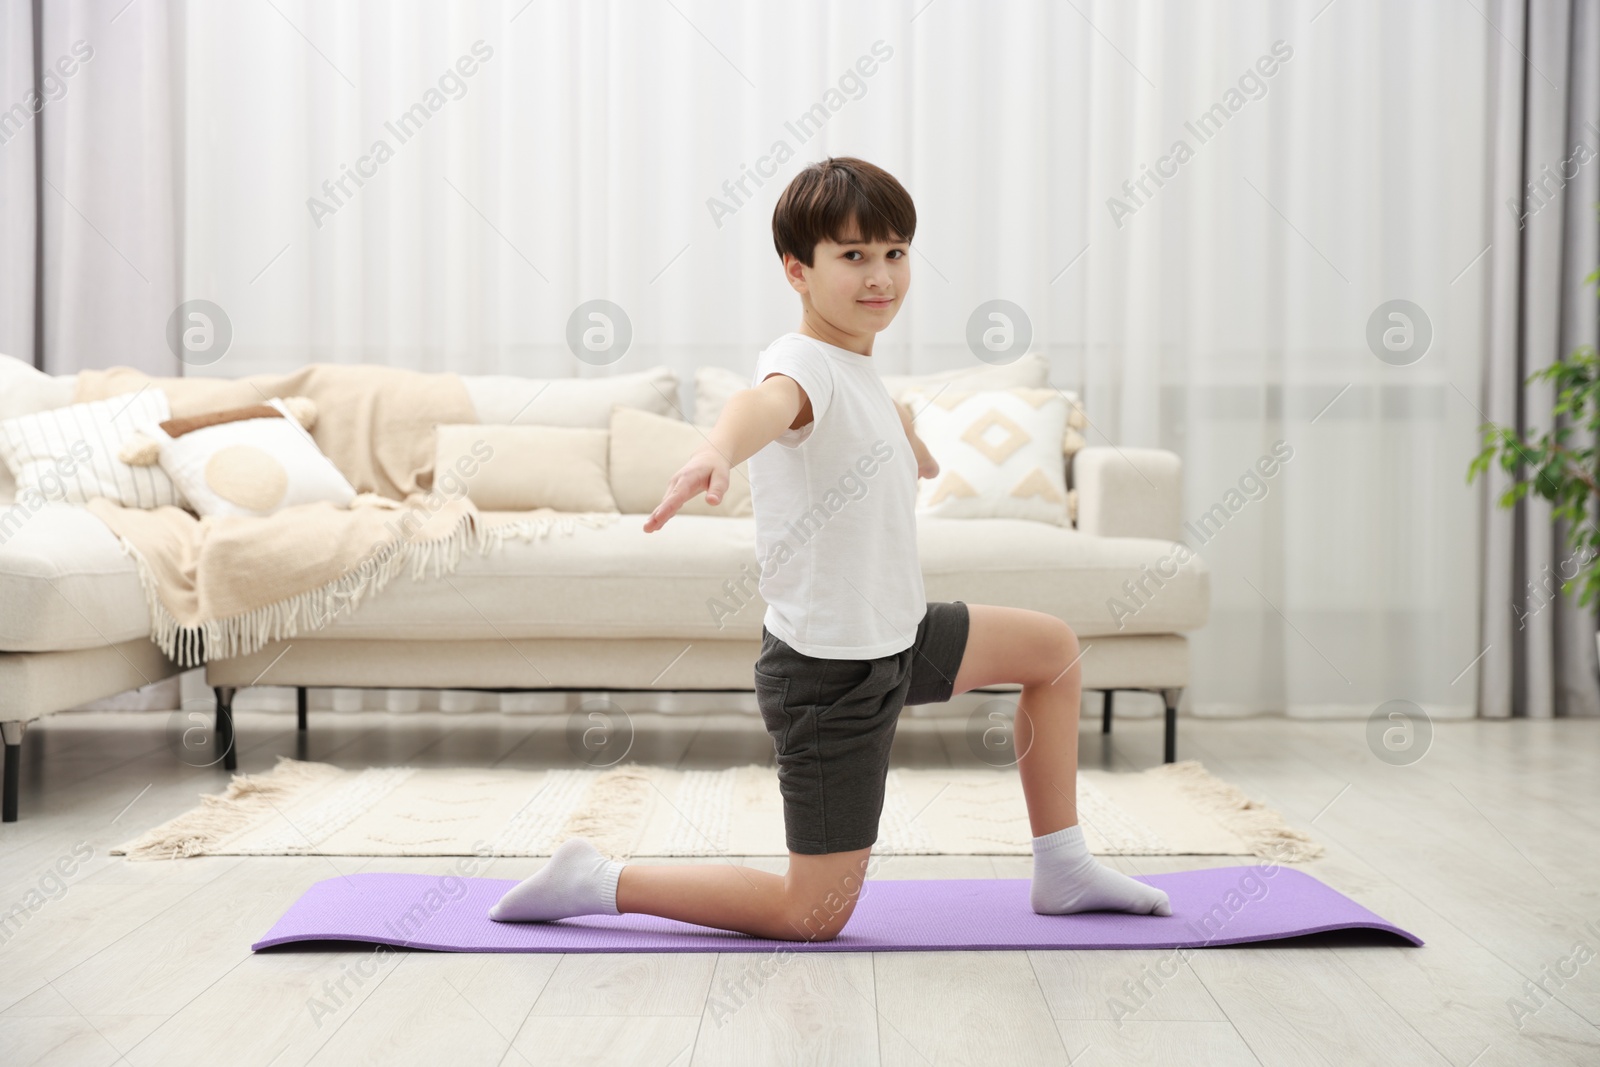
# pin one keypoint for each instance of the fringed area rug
(317, 809)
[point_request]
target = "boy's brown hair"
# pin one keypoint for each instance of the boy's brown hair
(822, 200)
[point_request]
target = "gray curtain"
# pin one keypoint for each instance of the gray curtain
(1540, 655)
(18, 182)
(91, 167)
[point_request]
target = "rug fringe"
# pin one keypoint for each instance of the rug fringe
(1261, 827)
(614, 802)
(220, 815)
(612, 812)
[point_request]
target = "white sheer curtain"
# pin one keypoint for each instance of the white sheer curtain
(1216, 314)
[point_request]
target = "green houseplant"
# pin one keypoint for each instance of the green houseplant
(1552, 467)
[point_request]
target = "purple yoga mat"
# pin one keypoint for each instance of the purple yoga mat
(1215, 906)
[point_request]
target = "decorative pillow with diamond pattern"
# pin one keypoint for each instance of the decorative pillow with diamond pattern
(999, 453)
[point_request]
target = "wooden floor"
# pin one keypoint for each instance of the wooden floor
(1486, 848)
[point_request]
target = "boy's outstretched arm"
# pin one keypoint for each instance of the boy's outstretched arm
(927, 466)
(751, 419)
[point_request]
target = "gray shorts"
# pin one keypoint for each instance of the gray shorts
(832, 722)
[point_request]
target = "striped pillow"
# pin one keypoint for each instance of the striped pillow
(70, 454)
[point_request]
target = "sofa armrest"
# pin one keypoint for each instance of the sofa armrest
(1128, 492)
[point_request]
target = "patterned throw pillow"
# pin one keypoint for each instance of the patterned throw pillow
(69, 454)
(249, 461)
(999, 453)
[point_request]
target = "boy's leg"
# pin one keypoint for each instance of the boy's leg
(1041, 652)
(811, 902)
(833, 713)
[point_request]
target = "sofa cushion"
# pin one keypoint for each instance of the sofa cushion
(509, 398)
(24, 391)
(647, 450)
(715, 386)
(695, 579)
(1030, 371)
(521, 468)
(64, 581)
(66, 585)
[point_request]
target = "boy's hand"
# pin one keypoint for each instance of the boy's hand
(706, 472)
(927, 466)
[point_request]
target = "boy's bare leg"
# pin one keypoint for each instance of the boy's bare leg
(1039, 652)
(812, 901)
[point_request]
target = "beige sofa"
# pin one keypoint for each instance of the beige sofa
(610, 609)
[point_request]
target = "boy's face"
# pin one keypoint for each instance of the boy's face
(856, 286)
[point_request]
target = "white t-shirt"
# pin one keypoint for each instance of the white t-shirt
(835, 510)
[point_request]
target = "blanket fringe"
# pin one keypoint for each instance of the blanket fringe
(1261, 827)
(240, 635)
(248, 798)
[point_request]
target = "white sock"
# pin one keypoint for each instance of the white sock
(1067, 878)
(577, 880)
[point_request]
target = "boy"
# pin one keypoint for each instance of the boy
(848, 638)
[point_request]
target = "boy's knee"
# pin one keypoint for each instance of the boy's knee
(818, 920)
(1069, 642)
(820, 894)
(808, 930)
(1062, 644)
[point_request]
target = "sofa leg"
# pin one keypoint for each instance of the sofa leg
(1171, 698)
(224, 731)
(1105, 711)
(300, 707)
(12, 732)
